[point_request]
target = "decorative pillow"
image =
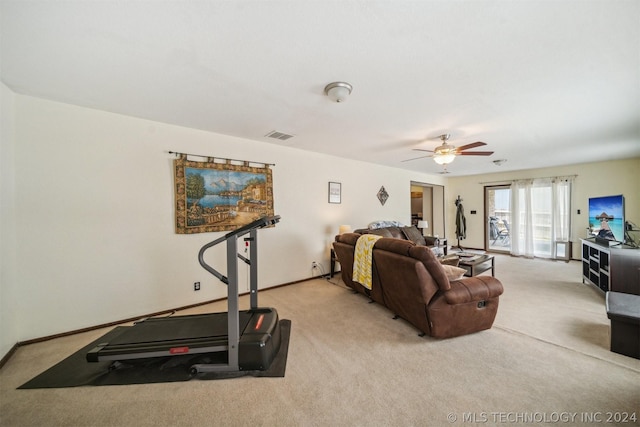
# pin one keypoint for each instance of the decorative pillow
(413, 234)
(450, 260)
(382, 224)
(453, 273)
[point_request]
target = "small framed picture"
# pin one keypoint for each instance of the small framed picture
(335, 192)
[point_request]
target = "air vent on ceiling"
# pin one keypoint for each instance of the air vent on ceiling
(278, 135)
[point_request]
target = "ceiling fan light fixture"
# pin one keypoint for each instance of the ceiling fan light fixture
(444, 159)
(338, 91)
(446, 153)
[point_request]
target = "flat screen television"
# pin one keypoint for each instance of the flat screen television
(606, 217)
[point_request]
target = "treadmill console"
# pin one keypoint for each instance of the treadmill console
(258, 223)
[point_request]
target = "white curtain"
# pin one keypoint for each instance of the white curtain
(521, 218)
(540, 215)
(561, 211)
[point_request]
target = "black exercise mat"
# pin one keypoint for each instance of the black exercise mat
(75, 371)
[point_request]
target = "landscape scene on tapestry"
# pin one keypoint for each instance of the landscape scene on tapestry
(222, 200)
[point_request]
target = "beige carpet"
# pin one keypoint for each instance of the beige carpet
(546, 361)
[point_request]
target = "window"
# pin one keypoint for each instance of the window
(498, 213)
(541, 216)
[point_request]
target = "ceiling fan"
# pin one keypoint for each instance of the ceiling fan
(446, 153)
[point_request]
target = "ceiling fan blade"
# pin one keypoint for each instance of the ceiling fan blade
(472, 145)
(416, 158)
(420, 149)
(475, 153)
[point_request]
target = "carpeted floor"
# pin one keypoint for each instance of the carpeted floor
(546, 360)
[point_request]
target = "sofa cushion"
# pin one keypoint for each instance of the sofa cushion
(398, 246)
(393, 232)
(453, 272)
(470, 289)
(396, 232)
(413, 234)
(384, 232)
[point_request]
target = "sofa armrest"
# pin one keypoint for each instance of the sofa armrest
(431, 241)
(470, 289)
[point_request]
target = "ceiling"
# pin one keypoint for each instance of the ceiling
(543, 83)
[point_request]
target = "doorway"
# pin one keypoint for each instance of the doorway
(427, 204)
(498, 217)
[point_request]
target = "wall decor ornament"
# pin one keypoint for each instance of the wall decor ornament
(335, 192)
(383, 195)
(220, 196)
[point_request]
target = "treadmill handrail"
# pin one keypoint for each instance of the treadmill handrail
(259, 223)
(206, 266)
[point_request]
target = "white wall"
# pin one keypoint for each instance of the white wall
(94, 216)
(87, 222)
(593, 179)
(9, 332)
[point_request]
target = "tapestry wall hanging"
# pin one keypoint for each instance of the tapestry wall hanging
(214, 196)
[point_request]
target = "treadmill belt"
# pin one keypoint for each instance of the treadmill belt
(185, 327)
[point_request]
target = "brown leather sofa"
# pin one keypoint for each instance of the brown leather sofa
(409, 280)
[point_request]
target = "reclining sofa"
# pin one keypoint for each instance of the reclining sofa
(409, 280)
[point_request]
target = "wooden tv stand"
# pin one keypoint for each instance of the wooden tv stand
(611, 268)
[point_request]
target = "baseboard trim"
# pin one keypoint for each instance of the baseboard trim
(10, 353)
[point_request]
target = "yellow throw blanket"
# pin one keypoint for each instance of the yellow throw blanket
(363, 259)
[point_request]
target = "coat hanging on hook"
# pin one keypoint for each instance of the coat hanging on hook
(461, 222)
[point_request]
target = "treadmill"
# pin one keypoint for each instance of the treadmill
(250, 339)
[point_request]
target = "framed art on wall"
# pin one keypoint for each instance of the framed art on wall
(212, 196)
(335, 192)
(383, 195)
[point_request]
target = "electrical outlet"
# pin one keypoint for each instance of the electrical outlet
(196, 286)
(314, 264)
